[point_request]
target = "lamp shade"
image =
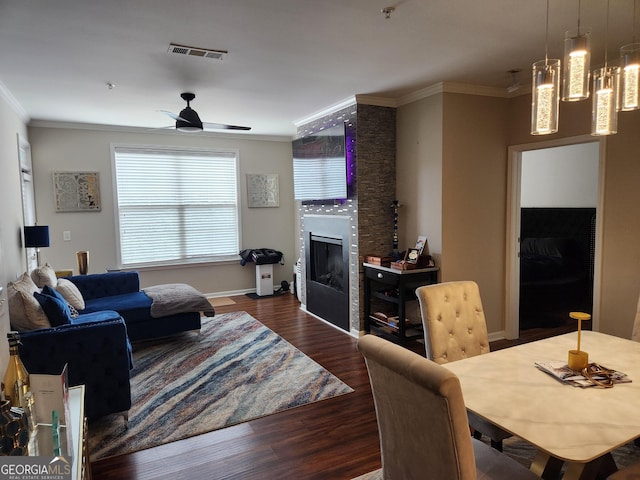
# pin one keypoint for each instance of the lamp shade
(606, 82)
(630, 84)
(577, 66)
(545, 97)
(36, 236)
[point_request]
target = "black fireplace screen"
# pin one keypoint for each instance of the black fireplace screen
(327, 262)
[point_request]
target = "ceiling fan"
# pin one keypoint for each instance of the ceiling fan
(189, 121)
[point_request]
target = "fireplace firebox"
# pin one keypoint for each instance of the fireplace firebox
(327, 270)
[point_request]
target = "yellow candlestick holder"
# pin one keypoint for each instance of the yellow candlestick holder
(577, 358)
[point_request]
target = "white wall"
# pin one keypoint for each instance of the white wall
(12, 256)
(76, 149)
(564, 176)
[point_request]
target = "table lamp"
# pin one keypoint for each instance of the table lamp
(577, 358)
(35, 237)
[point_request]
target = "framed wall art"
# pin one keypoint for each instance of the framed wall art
(263, 190)
(77, 191)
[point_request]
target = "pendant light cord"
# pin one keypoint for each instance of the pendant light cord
(546, 38)
(635, 24)
(579, 10)
(606, 37)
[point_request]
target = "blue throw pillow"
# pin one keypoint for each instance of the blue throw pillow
(54, 305)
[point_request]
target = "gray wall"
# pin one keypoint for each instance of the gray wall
(74, 149)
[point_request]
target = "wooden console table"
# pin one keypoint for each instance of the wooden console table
(394, 287)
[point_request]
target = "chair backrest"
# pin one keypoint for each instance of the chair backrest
(422, 420)
(635, 335)
(453, 321)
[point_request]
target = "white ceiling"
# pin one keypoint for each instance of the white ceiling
(287, 60)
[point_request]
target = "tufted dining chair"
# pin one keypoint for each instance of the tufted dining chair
(454, 328)
(422, 420)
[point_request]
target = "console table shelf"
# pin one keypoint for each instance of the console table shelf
(377, 281)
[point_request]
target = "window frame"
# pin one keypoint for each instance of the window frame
(179, 262)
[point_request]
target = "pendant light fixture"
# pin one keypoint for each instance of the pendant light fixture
(545, 91)
(630, 71)
(577, 59)
(606, 83)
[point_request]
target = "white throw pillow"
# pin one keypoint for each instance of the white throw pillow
(25, 312)
(44, 275)
(70, 293)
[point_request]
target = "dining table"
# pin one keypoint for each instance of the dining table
(574, 429)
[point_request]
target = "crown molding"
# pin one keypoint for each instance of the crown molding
(376, 101)
(462, 88)
(155, 131)
(347, 102)
(6, 95)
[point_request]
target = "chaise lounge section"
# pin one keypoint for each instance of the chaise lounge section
(120, 291)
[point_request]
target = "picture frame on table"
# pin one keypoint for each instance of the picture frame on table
(413, 254)
(421, 243)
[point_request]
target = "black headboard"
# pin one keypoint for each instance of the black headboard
(576, 223)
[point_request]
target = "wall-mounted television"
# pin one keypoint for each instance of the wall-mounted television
(320, 165)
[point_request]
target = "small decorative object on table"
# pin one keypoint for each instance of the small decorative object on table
(577, 358)
(394, 253)
(378, 260)
(404, 264)
(83, 262)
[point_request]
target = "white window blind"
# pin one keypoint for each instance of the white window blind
(176, 206)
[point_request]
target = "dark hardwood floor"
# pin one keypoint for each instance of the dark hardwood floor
(331, 439)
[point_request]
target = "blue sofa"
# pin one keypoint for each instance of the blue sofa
(120, 291)
(97, 352)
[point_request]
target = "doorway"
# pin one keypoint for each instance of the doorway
(553, 232)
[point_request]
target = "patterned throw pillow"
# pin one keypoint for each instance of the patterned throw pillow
(44, 275)
(70, 293)
(25, 313)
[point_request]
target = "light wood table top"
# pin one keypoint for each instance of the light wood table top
(572, 424)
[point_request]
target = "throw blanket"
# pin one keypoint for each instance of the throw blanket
(175, 298)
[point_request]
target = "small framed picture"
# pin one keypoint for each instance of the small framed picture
(421, 244)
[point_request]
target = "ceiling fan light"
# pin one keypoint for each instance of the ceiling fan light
(188, 121)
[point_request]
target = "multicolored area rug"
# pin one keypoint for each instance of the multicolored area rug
(234, 370)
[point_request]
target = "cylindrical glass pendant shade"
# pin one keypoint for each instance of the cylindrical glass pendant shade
(577, 65)
(606, 82)
(630, 71)
(545, 97)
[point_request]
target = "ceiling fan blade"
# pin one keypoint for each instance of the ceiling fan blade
(174, 116)
(222, 126)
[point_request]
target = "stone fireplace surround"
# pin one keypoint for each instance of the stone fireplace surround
(368, 211)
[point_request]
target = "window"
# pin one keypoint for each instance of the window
(176, 206)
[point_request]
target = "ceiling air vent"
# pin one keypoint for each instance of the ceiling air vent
(197, 52)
